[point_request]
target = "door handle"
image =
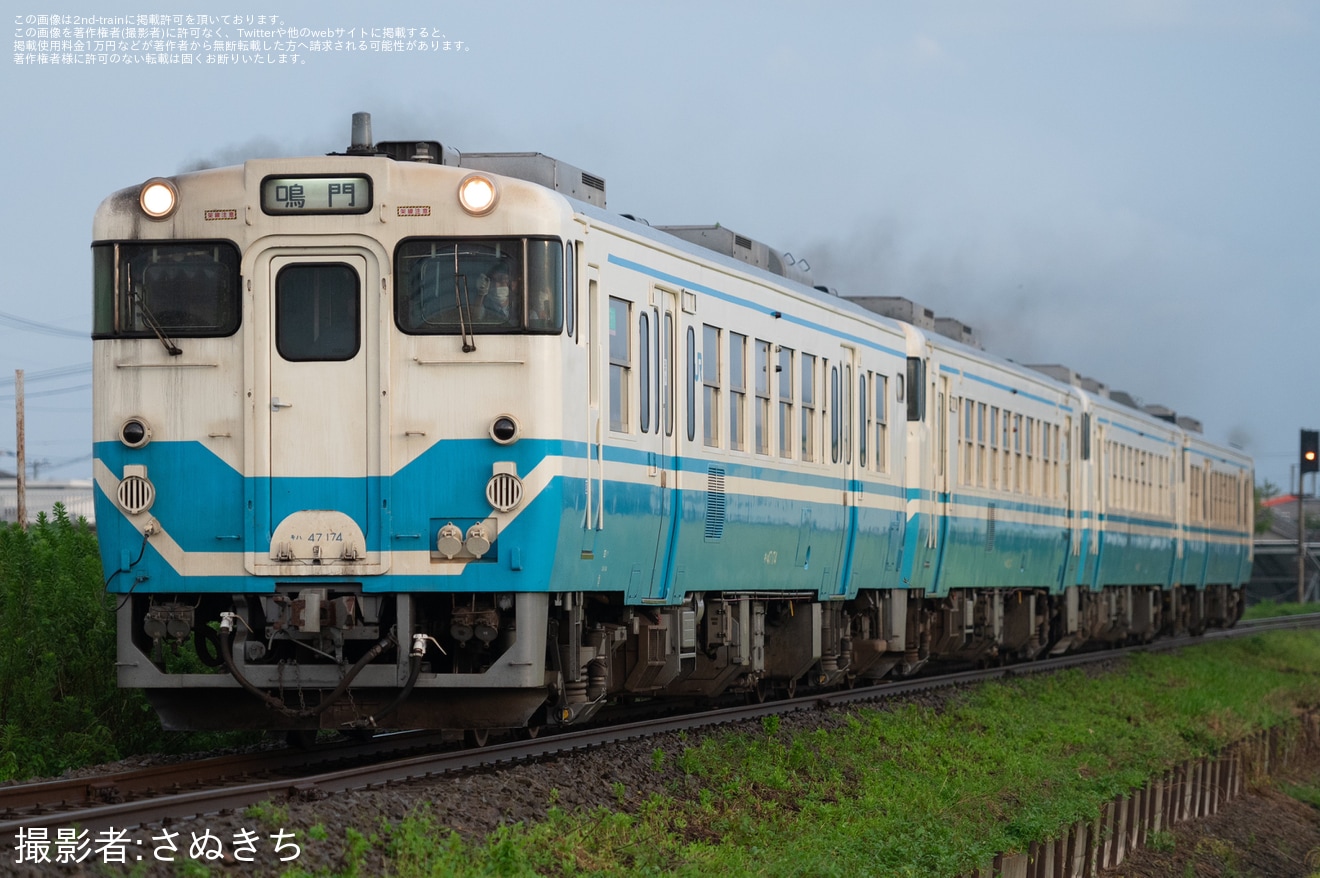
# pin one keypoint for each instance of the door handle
(276, 405)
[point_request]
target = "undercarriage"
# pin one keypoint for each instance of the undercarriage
(334, 657)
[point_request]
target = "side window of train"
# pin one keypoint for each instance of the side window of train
(691, 384)
(318, 313)
(644, 371)
(763, 372)
(982, 452)
(785, 370)
(710, 380)
(1029, 455)
(620, 364)
(836, 417)
(570, 288)
(1062, 459)
(808, 398)
(737, 392)
(968, 442)
(1047, 472)
(1017, 452)
(882, 423)
(1006, 446)
(863, 419)
(846, 398)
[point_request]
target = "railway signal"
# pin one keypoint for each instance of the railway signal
(1310, 451)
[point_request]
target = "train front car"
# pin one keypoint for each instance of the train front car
(325, 428)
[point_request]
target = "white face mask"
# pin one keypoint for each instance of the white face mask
(501, 293)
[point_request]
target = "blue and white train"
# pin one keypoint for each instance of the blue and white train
(403, 437)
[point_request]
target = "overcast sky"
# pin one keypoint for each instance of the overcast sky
(1128, 188)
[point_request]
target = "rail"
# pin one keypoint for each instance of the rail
(224, 782)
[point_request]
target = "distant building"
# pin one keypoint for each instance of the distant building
(76, 496)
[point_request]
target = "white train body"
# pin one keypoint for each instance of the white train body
(374, 490)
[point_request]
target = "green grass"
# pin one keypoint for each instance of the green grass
(1162, 841)
(913, 791)
(1271, 609)
(1304, 792)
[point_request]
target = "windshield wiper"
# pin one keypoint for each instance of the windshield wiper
(150, 319)
(464, 308)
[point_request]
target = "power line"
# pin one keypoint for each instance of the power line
(44, 328)
(46, 374)
(53, 392)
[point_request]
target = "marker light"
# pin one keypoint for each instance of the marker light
(158, 198)
(504, 429)
(134, 433)
(477, 194)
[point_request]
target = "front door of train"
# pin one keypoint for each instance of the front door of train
(316, 437)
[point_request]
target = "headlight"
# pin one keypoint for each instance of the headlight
(158, 198)
(477, 194)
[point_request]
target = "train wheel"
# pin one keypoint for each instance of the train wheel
(476, 737)
(759, 691)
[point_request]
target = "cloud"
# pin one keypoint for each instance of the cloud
(1113, 295)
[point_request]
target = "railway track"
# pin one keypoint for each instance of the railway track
(163, 794)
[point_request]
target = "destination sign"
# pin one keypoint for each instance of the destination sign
(291, 195)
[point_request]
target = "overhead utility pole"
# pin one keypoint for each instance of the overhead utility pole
(1309, 463)
(21, 482)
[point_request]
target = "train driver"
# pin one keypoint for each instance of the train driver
(499, 297)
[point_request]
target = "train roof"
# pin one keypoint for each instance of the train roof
(1095, 398)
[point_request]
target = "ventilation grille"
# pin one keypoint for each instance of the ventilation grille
(990, 527)
(504, 491)
(593, 181)
(136, 494)
(715, 503)
(745, 243)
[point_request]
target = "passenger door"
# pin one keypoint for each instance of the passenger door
(845, 408)
(664, 471)
(316, 416)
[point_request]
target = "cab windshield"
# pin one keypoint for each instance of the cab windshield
(448, 286)
(180, 290)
